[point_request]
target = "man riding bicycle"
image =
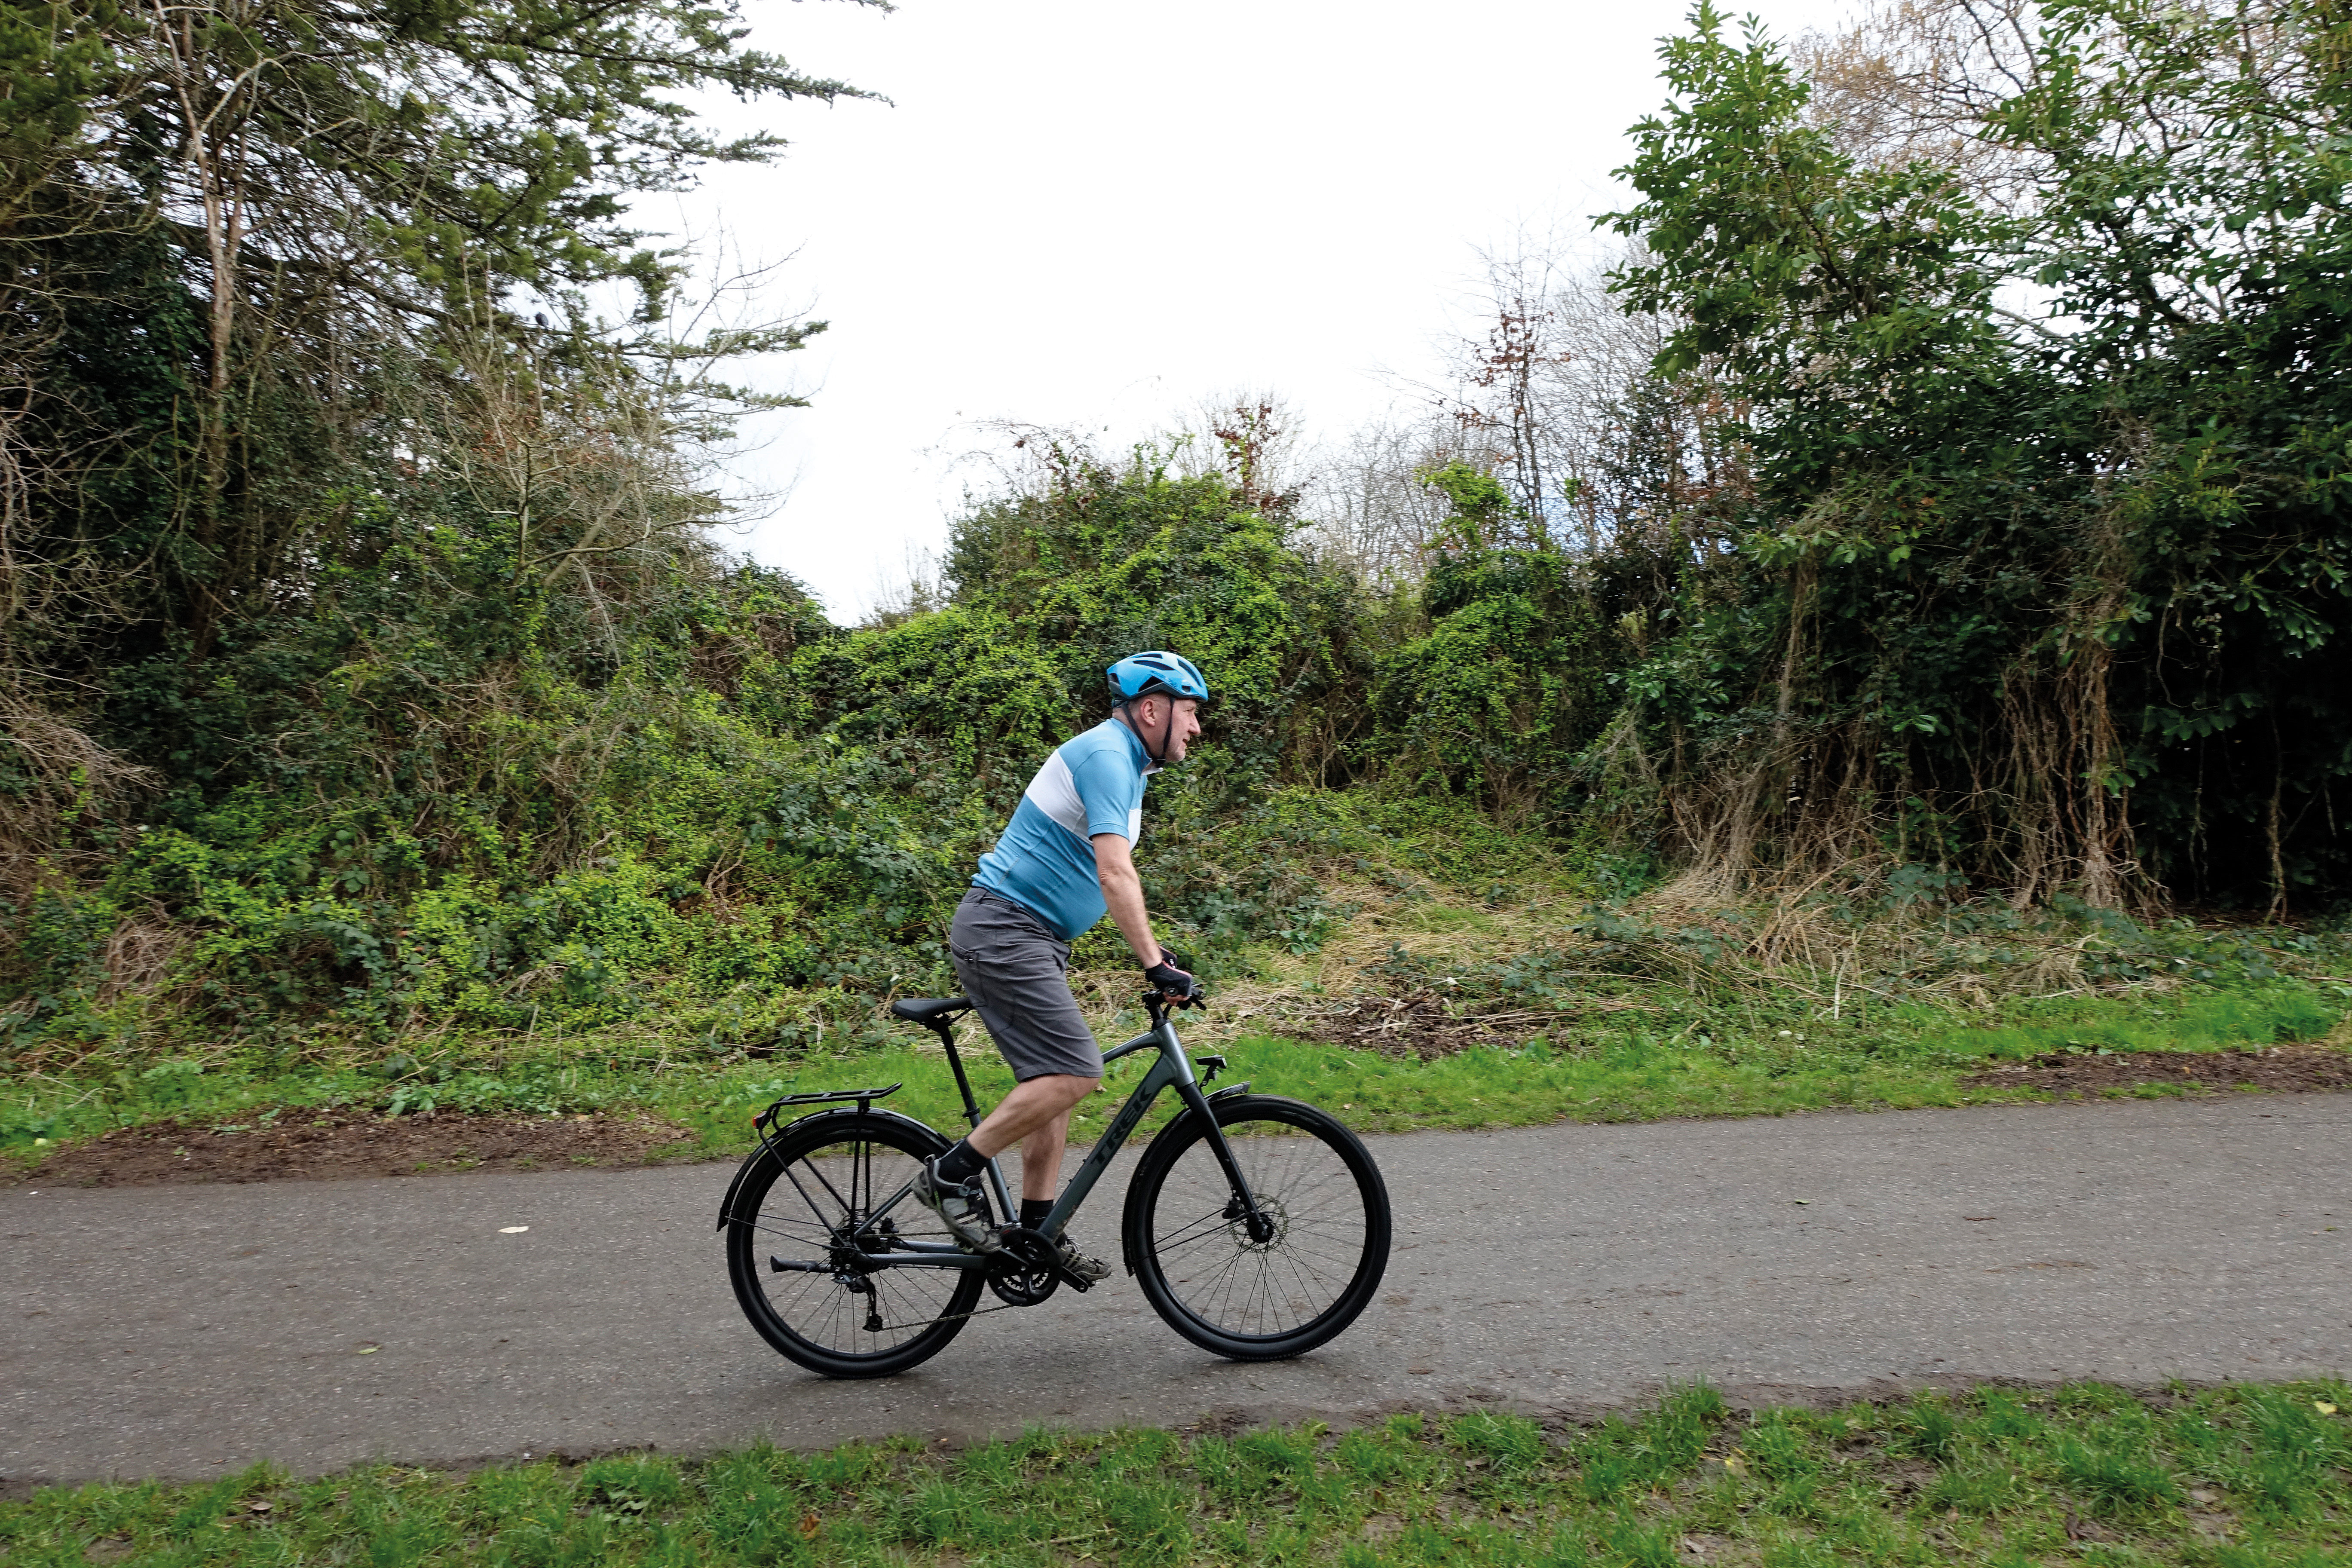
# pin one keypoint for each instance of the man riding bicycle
(1066, 857)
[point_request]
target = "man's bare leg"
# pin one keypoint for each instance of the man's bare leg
(1041, 1159)
(1032, 1108)
(1035, 1115)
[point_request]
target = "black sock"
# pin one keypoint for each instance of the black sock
(960, 1164)
(1033, 1212)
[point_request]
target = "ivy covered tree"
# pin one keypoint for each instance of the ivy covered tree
(229, 227)
(265, 264)
(2042, 362)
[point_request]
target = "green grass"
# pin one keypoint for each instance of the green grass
(2221, 1479)
(1671, 1058)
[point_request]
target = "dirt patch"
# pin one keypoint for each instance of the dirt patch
(2289, 1068)
(1425, 1024)
(320, 1145)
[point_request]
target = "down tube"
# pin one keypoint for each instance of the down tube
(1169, 1069)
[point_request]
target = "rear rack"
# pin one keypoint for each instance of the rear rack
(864, 1097)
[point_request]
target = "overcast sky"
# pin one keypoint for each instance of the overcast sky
(1100, 213)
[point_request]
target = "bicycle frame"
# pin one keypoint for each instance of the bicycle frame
(1174, 1069)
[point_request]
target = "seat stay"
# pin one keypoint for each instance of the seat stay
(905, 1190)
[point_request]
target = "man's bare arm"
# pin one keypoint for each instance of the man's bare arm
(1122, 890)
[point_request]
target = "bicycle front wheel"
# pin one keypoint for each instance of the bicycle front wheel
(795, 1250)
(1246, 1299)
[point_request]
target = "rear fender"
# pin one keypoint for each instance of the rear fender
(765, 1155)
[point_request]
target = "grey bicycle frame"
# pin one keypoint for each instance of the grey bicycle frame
(1173, 1070)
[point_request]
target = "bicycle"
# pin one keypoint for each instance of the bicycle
(1257, 1226)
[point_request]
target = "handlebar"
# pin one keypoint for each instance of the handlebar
(1156, 1001)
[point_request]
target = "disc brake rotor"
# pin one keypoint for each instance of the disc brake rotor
(1278, 1219)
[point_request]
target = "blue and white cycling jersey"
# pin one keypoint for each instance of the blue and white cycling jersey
(1046, 859)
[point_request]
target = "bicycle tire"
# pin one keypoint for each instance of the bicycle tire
(1246, 1300)
(826, 1164)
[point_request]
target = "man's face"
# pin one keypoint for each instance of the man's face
(1151, 712)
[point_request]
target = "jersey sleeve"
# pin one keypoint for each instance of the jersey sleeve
(1111, 794)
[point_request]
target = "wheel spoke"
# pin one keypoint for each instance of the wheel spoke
(1288, 1282)
(821, 1192)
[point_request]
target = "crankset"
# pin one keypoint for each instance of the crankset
(1025, 1271)
(1026, 1267)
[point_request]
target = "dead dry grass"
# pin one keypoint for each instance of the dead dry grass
(1802, 943)
(1338, 993)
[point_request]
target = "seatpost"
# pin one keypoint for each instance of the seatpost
(963, 1084)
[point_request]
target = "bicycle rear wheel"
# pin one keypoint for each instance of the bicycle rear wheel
(1259, 1300)
(793, 1251)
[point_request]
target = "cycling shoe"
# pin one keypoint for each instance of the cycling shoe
(962, 1206)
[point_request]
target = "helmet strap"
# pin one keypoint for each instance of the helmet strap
(1166, 730)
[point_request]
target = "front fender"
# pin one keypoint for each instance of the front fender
(727, 1205)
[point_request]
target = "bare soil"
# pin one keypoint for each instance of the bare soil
(2300, 1068)
(322, 1146)
(1425, 1023)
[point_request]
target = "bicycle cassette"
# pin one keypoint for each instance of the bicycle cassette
(1023, 1271)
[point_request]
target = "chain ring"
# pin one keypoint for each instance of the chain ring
(1025, 1270)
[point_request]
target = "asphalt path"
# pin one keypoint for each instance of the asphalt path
(185, 1331)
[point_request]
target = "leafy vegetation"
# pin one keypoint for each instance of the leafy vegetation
(2216, 1478)
(2030, 313)
(383, 722)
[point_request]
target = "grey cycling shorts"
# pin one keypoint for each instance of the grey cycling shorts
(1017, 974)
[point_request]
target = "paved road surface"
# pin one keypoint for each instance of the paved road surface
(182, 1331)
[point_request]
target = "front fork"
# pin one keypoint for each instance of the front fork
(1244, 1206)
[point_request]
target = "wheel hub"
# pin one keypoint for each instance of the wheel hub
(1273, 1225)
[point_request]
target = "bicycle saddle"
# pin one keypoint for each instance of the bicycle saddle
(924, 1009)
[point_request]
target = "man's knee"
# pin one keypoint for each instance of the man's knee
(1068, 1088)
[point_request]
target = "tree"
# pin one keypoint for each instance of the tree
(262, 259)
(2044, 379)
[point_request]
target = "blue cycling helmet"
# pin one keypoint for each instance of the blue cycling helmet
(1141, 674)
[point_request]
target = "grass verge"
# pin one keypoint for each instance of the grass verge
(1674, 1054)
(2240, 1476)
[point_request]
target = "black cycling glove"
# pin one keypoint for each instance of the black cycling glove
(1170, 981)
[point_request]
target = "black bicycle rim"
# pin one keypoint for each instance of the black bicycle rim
(1261, 1300)
(805, 1202)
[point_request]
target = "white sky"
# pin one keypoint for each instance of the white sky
(1101, 212)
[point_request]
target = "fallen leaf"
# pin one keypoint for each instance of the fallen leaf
(512, 1229)
(809, 1524)
(367, 1350)
(2323, 1407)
